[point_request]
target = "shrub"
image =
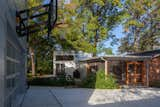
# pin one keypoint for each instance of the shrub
(51, 81)
(89, 81)
(99, 81)
(155, 84)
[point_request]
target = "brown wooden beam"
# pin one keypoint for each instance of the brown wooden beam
(127, 75)
(135, 71)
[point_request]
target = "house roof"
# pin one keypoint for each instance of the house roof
(139, 56)
(152, 53)
(117, 57)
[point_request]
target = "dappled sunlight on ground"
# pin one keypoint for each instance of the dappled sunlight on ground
(122, 95)
(81, 97)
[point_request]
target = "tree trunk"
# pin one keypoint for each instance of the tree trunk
(95, 44)
(31, 51)
(136, 41)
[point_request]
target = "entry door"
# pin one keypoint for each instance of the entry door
(134, 73)
(60, 68)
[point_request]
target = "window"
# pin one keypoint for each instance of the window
(8, 102)
(94, 68)
(60, 69)
(64, 57)
(11, 67)
(131, 68)
(10, 83)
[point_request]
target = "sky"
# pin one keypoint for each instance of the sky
(118, 33)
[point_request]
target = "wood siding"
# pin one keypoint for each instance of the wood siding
(154, 74)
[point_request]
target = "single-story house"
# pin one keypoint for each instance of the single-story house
(132, 69)
(66, 62)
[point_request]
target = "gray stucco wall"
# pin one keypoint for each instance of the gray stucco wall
(12, 85)
(2, 60)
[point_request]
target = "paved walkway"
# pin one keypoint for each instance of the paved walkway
(40, 97)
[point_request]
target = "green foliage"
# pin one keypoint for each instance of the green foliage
(100, 81)
(44, 66)
(60, 81)
(155, 84)
(106, 51)
(105, 83)
(84, 26)
(89, 81)
(140, 25)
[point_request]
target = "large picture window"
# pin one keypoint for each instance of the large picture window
(64, 57)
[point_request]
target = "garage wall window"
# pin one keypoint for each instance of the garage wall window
(12, 72)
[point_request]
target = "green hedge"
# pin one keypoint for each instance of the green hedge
(97, 80)
(155, 84)
(51, 81)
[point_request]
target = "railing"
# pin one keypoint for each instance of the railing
(24, 17)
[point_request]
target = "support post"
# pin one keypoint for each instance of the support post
(127, 75)
(87, 68)
(147, 73)
(135, 72)
(54, 66)
(106, 68)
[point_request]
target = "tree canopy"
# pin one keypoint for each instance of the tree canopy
(141, 24)
(83, 25)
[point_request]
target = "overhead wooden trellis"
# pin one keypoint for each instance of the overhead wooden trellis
(37, 19)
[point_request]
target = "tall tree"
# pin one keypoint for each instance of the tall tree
(141, 25)
(101, 16)
(40, 48)
(86, 23)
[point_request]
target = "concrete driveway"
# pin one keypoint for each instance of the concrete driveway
(40, 97)
(77, 97)
(135, 97)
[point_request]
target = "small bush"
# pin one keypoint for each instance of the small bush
(89, 81)
(99, 81)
